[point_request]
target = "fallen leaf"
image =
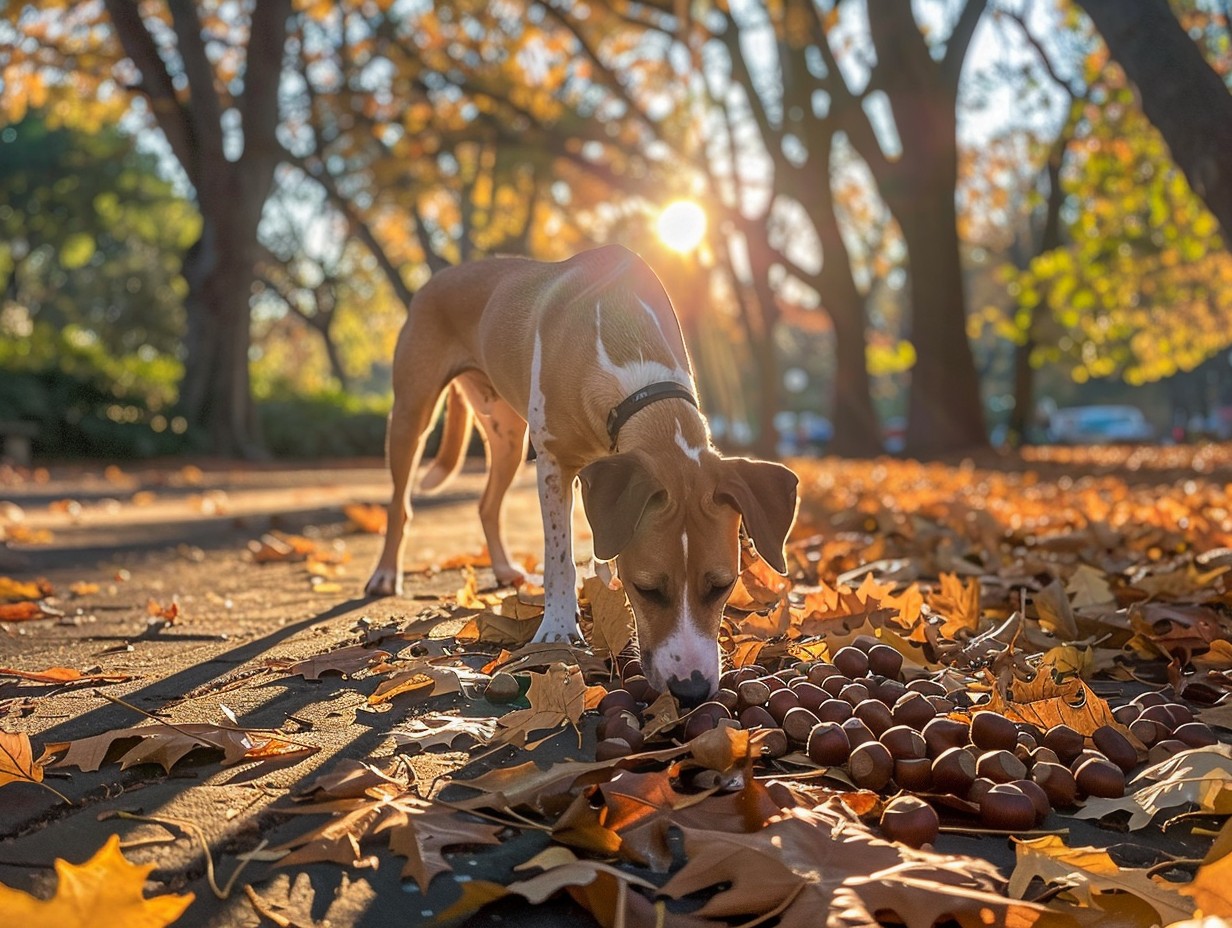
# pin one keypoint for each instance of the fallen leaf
(1201, 776)
(105, 888)
(414, 828)
(958, 603)
(1087, 872)
(63, 676)
(611, 616)
(27, 612)
(83, 588)
(1211, 888)
(349, 779)
(1056, 614)
(556, 698)
(1088, 587)
(367, 518)
(11, 589)
(1044, 703)
(816, 864)
(435, 730)
(345, 661)
(421, 678)
(17, 763)
(158, 743)
(156, 610)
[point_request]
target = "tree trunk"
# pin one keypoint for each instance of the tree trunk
(945, 411)
(1050, 238)
(1182, 95)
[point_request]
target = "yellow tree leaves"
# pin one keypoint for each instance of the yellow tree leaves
(105, 889)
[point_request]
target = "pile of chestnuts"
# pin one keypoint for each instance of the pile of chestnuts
(856, 713)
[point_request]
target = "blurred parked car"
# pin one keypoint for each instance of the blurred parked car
(1099, 425)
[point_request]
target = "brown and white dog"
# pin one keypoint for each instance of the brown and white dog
(589, 354)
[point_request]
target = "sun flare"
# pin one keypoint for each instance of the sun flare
(681, 225)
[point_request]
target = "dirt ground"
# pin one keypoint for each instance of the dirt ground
(167, 533)
(185, 539)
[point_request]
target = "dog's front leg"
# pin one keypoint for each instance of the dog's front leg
(559, 574)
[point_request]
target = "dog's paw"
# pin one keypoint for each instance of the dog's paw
(557, 632)
(508, 575)
(384, 582)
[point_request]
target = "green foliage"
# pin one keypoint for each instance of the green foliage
(1141, 287)
(91, 235)
(86, 402)
(326, 424)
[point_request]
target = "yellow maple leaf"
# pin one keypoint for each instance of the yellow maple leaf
(106, 883)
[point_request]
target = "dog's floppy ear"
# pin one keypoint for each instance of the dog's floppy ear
(615, 493)
(765, 496)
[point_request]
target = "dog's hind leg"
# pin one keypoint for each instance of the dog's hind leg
(417, 393)
(504, 436)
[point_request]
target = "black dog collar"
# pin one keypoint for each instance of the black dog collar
(624, 411)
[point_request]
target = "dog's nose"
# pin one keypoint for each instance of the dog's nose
(691, 692)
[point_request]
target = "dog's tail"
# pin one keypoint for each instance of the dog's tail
(455, 436)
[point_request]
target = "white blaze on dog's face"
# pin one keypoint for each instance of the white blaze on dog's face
(675, 533)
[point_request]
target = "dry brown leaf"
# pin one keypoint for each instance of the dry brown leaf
(345, 661)
(1088, 872)
(1211, 888)
(424, 679)
(105, 889)
(12, 590)
(1055, 612)
(62, 676)
(1044, 703)
(436, 729)
(819, 864)
(414, 828)
(156, 610)
(1088, 588)
(1199, 776)
(27, 612)
(83, 588)
(17, 763)
(556, 698)
(611, 616)
(367, 518)
(348, 779)
(958, 603)
(160, 744)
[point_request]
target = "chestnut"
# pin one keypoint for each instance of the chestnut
(1162, 750)
(798, 723)
(833, 710)
(992, 731)
(851, 661)
(953, 771)
(828, 744)
(857, 732)
(752, 693)
(914, 710)
(757, 717)
(1064, 742)
(927, 688)
(1036, 793)
(854, 693)
(1195, 734)
(884, 660)
(910, 820)
(615, 699)
(942, 733)
(876, 715)
(871, 765)
(1005, 806)
(1116, 747)
(820, 672)
(904, 742)
(1057, 783)
(810, 695)
(773, 743)
(1000, 767)
(1102, 778)
(780, 702)
(913, 773)
(612, 748)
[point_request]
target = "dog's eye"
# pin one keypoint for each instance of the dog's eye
(654, 594)
(717, 591)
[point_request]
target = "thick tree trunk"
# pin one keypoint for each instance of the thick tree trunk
(945, 412)
(1181, 94)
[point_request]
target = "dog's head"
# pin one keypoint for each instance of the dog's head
(675, 533)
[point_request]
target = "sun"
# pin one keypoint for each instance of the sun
(681, 225)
